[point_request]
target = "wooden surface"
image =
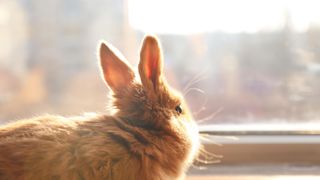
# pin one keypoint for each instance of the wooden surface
(267, 149)
(262, 157)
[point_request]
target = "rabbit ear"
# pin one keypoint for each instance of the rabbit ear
(116, 72)
(151, 64)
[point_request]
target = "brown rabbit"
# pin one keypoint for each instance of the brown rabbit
(151, 135)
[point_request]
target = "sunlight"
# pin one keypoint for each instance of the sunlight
(198, 16)
(307, 177)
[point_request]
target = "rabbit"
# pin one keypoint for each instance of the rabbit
(151, 135)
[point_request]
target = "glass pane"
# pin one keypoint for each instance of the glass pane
(245, 62)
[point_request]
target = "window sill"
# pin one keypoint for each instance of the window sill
(253, 155)
(265, 148)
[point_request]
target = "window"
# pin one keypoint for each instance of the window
(249, 69)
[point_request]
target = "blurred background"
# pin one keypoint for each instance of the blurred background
(242, 65)
(240, 62)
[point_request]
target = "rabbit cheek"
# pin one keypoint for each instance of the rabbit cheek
(191, 132)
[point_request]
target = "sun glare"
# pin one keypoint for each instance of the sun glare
(298, 177)
(197, 16)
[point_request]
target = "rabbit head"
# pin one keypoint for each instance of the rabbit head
(148, 102)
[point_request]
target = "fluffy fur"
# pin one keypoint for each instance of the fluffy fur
(145, 139)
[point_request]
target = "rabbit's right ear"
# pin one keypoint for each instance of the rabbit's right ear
(151, 64)
(116, 71)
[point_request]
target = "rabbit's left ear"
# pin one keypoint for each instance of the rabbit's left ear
(151, 64)
(116, 71)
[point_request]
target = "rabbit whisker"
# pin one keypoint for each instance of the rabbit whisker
(198, 166)
(209, 140)
(209, 117)
(203, 106)
(202, 161)
(193, 89)
(194, 80)
(205, 152)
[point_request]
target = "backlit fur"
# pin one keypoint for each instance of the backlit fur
(145, 139)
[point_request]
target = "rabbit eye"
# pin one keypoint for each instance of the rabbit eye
(178, 109)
